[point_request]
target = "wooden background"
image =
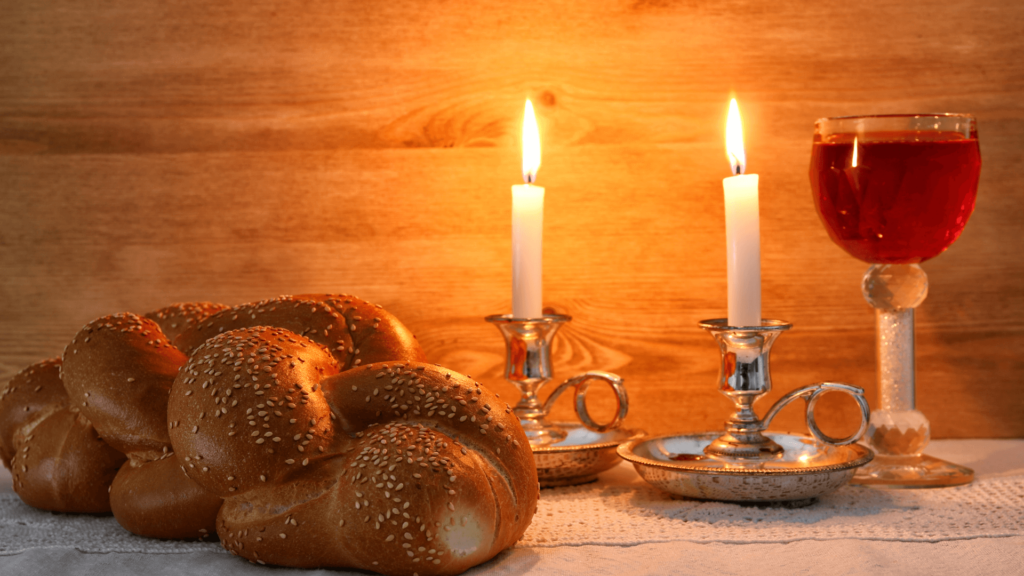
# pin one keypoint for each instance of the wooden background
(154, 151)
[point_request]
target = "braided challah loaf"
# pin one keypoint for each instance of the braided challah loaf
(303, 430)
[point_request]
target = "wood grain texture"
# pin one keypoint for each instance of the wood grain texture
(154, 152)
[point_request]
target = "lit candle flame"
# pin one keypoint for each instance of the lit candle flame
(531, 145)
(734, 139)
(854, 151)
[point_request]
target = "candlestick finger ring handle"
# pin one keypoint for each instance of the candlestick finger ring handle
(811, 394)
(581, 383)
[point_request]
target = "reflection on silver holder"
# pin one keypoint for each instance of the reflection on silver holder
(746, 464)
(566, 453)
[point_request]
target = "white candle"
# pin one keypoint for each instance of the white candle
(528, 228)
(742, 231)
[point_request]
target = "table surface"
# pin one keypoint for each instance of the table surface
(690, 539)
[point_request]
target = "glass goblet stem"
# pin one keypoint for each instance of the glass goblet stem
(895, 353)
(894, 290)
(897, 432)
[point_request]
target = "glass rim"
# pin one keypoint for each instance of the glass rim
(922, 115)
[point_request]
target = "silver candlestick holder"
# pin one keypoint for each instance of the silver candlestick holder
(566, 452)
(745, 463)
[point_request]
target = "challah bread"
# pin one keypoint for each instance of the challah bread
(352, 330)
(203, 402)
(57, 461)
(63, 466)
(118, 371)
(398, 468)
(33, 394)
(156, 499)
(176, 319)
(247, 409)
(418, 527)
(463, 458)
(377, 336)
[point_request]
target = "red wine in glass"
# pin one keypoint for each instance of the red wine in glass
(895, 191)
(897, 197)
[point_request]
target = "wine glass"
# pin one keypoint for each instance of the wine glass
(894, 191)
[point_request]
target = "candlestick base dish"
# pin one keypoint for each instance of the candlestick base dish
(746, 463)
(580, 456)
(920, 471)
(803, 470)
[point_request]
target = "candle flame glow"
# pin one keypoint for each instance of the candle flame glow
(854, 151)
(734, 139)
(531, 145)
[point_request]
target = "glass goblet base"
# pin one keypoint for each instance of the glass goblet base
(920, 471)
(898, 437)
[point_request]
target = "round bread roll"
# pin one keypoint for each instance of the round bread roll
(33, 394)
(399, 468)
(118, 372)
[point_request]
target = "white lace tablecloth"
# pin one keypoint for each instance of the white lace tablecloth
(622, 525)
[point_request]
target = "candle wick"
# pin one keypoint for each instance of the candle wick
(529, 178)
(737, 165)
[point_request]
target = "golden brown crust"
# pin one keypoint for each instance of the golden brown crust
(118, 372)
(30, 396)
(377, 336)
(432, 475)
(176, 319)
(63, 466)
(306, 317)
(157, 500)
(250, 420)
(354, 331)
(482, 427)
(247, 409)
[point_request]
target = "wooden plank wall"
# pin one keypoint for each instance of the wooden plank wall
(154, 152)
